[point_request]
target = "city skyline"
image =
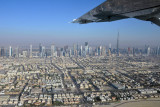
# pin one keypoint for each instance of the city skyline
(107, 45)
(76, 50)
(47, 22)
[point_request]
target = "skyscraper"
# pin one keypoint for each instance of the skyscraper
(148, 51)
(81, 50)
(103, 51)
(77, 50)
(24, 54)
(30, 51)
(66, 48)
(17, 52)
(158, 51)
(99, 50)
(129, 50)
(133, 52)
(6, 53)
(74, 50)
(52, 50)
(43, 51)
(110, 46)
(70, 53)
(86, 43)
(10, 51)
(2, 52)
(109, 53)
(86, 48)
(118, 44)
(40, 49)
(90, 51)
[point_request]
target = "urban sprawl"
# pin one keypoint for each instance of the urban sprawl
(78, 75)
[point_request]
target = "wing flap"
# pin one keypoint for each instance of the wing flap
(155, 20)
(154, 17)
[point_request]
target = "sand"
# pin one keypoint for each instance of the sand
(139, 103)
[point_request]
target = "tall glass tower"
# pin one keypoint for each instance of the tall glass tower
(10, 51)
(118, 44)
(30, 51)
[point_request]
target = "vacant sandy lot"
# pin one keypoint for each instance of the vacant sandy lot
(140, 103)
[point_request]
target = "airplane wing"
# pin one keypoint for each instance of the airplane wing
(112, 10)
(155, 20)
(100, 17)
(99, 14)
(153, 17)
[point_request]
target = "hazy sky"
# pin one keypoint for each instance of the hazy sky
(24, 22)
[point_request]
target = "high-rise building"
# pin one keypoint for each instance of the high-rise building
(17, 52)
(70, 53)
(52, 50)
(30, 51)
(133, 52)
(96, 51)
(81, 51)
(148, 51)
(118, 44)
(99, 50)
(158, 51)
(103, 51)
(10, 51)
(24, 54)
(2, 52)
(43, 51)
(40, 49)
(77, 50)
(110, 46)
(109, 53)
(6, 53)
(74, 50)
(86, 48)
(145, 49)
(129, 50)
(90, 51)
(66, 48)
(86, 43)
